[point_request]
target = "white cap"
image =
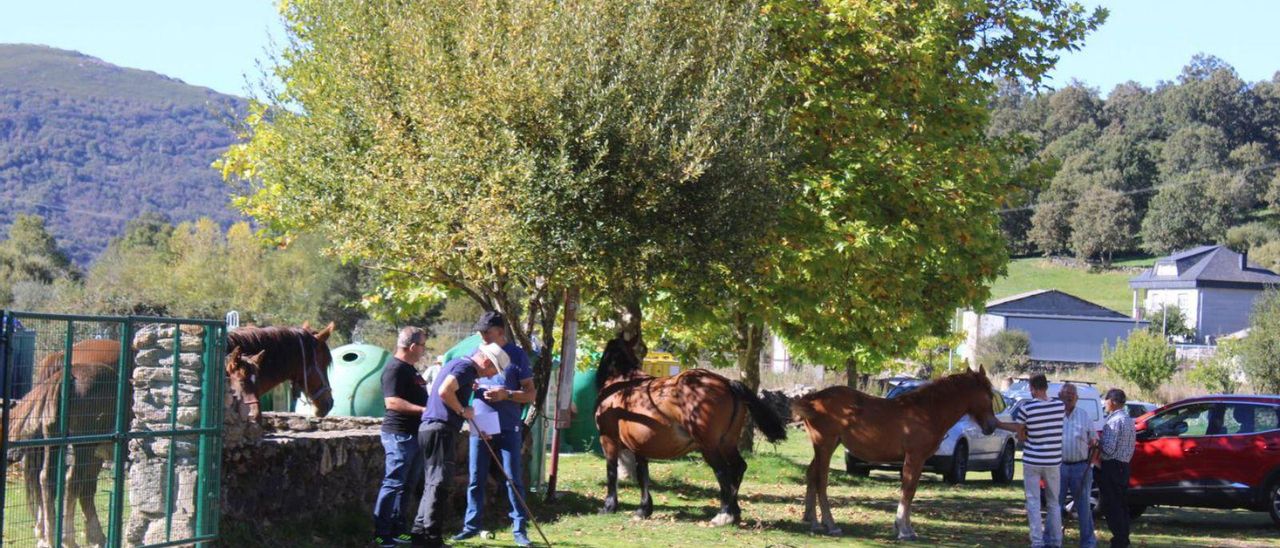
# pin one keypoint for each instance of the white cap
(496, 355)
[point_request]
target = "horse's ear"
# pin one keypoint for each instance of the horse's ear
(982, 370)
(233, 360)
(323, 335)
(255, 361)
(306, 324)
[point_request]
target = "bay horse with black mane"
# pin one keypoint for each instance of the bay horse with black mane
(668, 417)
(906, 429)
(260, 358)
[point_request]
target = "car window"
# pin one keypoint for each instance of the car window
(1092, 407)
(1247, 418)
(1182, 422)
(997, 403)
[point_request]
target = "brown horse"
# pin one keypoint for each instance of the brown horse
(668, 417)
(260, 358)
(93, 379)
(906, 429)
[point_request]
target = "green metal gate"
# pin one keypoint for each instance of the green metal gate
(114, 435)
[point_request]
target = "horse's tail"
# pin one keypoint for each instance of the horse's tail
(763, 415)
(37, 410)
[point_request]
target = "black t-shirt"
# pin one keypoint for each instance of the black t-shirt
(401, 380)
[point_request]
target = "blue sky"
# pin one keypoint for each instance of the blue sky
(216, 43)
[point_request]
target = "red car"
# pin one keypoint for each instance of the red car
(1209, 452)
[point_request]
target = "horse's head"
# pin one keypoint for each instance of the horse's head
(977, 397)
(243, 373)
(315, 374)
(618, 360)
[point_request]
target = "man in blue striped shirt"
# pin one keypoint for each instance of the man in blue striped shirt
(1041, 458)
(1078, 440)
(1118, 438)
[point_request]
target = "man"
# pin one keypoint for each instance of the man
(441, 422)
(1118, 438)
(1041, 457)
(1078, 441)
(505, 394)
(404, 397)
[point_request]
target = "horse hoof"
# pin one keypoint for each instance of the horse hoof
(608, 510)
(721, 520)
(834, 531)
(908, 536)
(642, 514)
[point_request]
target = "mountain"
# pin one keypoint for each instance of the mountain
(89, 145)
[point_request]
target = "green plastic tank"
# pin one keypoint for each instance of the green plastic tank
(582, 434)
(355, 376)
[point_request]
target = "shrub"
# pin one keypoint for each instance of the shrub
(1169, 321)
(1008, 350)
(1260, 351)
(1146, 359)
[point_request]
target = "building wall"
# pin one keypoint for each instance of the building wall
(978, 326)
(1186, 299)
(1225, 311)
(1070, 339)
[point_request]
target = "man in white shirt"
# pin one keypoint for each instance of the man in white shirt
(1079, 440)
(1041, 459)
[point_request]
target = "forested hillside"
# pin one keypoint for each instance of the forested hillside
(1190, 162)
(89, 145)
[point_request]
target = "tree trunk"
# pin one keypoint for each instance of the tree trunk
(851, 370)
(749, 343)
(548, 308)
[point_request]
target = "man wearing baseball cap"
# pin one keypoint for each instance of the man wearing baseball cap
(505, 394)
(441, 421)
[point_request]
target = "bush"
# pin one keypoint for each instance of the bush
(1169, 321)
(1260, 351)
(1216, 375)
(1008, 350)
(1144, 359)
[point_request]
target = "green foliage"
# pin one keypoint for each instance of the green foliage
(1218, 374)
(30, 262)
(1251, 236)
(1005, 351)
(1102, 225)
(1181, 216)
(1169, 322)
(89, 145)
(1260, 350)
(1145, 359)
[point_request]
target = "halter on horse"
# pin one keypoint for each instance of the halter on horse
(263, 357)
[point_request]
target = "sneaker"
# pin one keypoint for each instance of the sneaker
(406, 539)
(522, 539)
(464, 535)
(384, 542)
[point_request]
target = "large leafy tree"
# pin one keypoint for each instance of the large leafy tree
(507, 150)
(31, 257)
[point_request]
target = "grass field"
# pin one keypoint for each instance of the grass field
(980, 513)
(1108, 288)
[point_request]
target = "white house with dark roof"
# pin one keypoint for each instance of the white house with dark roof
(1062, 328)
(1214, 287)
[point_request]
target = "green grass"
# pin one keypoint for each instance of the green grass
(1107, 288)
(980, 513)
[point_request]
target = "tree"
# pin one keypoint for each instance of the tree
(30, 254)
(1004, 351)
(619, 147)
(1181, 216)
(1051, 223)
(1218, 374)
(1101, 225)
(1071, 107)
(1168, 321)
(1144, 359)
(1260, 351)
(895, 226)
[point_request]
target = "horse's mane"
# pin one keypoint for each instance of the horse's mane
(275, 340)
(946, 388)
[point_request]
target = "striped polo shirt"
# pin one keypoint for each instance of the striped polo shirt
(1044, 431)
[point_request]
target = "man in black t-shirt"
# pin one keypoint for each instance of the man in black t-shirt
(405, 397)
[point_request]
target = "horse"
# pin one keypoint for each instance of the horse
(906, 429)
(93, 379)
(260, 358)
(668, 417)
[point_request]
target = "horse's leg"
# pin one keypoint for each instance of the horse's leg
(47, 486)
(92, 524)
(724, 476)
(70, 494)
(823, 456)
(611, 474)
(911, 467)
(642, 476)
(739, 470)
(810, 493)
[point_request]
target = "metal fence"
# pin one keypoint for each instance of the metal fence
(93, 423)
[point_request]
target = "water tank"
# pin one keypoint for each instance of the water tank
(355, 377)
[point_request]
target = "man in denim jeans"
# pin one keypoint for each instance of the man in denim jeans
(405, 397)
(1078, 441)
(1041, 459)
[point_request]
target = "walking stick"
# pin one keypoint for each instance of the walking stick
(510, 483)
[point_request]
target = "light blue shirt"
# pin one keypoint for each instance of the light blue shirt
(1077, 432)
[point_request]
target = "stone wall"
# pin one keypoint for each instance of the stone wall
(149, 457)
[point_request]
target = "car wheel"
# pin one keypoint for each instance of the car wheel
(1004, 468)
(1273, 501)
(959, 465)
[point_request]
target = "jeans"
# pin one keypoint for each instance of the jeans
(1113, 482)
(1031, 476)
(403, 468)
(436, 439)
(1077, 479)
(508, 445)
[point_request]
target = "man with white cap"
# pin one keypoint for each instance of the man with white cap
(445, 413)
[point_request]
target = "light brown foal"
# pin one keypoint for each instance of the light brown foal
(906, 429)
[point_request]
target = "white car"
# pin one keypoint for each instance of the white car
(1090, 400)
(964, 449)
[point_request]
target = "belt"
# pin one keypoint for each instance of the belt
(1075, 461)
